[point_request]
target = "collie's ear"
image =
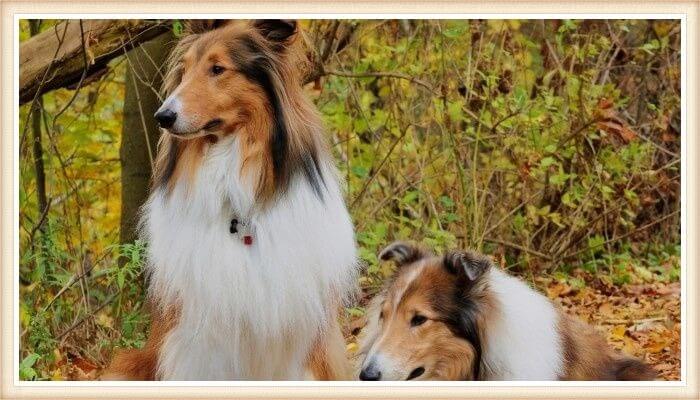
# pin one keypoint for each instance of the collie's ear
(277, 31)
(403, 253)
(465, 263)
(203, 25)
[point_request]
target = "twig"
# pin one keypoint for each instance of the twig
(554, 56)
(75, 278)
(396, 75)
(42, 219)
(80, 82)
(138, 102)
(86, 317)
(43, 80)
(331, 41)
(647, 226)
(376, 172)
(618, 46)
(519, 247)
(576, 132)
(507, 117)
(362, 111)
(657, 146)
(511, 212)
(137, 75)
(632, 321)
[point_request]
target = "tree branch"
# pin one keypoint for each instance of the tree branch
(49, 62)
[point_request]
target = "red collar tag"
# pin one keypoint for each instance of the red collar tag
(243, 229)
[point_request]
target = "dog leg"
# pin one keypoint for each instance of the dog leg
(132, 365)
(327, 361)
(142, 364)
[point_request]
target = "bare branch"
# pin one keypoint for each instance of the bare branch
(396, 75)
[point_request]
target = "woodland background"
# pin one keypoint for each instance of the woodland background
(553, 145)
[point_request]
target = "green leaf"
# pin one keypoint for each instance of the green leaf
(447, 202)
(595, 242)
(547, 161)
(573, 85)
(520, 96)
(454, 110)
(577, 283)
(559, 179)
(454, 32)
(121, 275)
(567, 200)
(359, 171)
(178, 28)
(26, 372)
(451, 217)
(410, 197)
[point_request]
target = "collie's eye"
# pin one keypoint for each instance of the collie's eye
(418, 320)
(381, 315)
(217, 69)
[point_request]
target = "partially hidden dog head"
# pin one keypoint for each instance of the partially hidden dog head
(225, 73)
(425, 322)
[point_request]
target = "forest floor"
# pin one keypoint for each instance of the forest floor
(641, 320)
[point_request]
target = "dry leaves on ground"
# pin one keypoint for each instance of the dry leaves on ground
(641, 320)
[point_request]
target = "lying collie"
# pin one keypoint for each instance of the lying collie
(250, 246)
(458, 317)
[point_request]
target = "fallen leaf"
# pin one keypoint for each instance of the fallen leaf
(557, 290)
(606, 310)
(671, 288)
(618, 332)
(84, 365)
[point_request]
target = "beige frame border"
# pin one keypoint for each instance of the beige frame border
(690, 151)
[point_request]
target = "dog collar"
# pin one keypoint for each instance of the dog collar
(242, 229)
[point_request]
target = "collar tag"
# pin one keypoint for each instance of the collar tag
(243, 230)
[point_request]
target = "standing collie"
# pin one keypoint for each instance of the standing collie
(458, 317)
(250, 246)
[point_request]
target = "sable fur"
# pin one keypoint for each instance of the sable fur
(272, 104)
(247, 142)
(502, 329)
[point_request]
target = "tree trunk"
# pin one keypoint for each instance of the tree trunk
(37, 149)
(145, 69)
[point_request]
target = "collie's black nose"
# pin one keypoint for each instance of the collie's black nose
(370, 373)
(166, 118)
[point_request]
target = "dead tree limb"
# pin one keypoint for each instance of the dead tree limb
(49, 61)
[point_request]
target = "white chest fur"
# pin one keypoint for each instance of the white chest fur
(247, 312)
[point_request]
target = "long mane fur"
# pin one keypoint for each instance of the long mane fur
(294, 138)
(249, 311)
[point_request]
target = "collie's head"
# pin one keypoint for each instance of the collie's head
(425, 324)
(239, 78)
